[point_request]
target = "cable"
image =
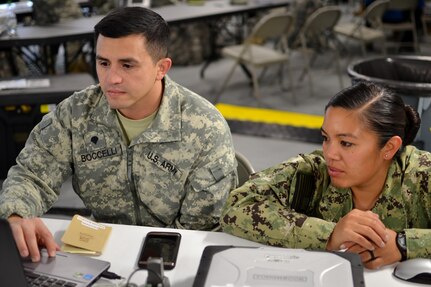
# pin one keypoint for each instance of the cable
(110, 275)
(163, 279)
(130, 276)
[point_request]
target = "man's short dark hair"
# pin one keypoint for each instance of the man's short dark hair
(128, 21)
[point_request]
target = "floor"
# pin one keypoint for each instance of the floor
(265, 152)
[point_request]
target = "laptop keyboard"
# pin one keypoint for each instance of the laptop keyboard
(38, 280)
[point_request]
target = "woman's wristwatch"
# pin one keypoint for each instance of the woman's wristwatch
(402, 245)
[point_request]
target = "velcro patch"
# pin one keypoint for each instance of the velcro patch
(217, 172)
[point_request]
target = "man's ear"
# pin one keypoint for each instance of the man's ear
(391, 147)
(163, 66)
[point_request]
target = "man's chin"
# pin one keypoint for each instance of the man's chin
(115, 105)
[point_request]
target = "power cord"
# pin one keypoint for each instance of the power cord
(110, 275)
(155, 276)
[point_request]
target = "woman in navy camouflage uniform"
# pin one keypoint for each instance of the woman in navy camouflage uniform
(367, 191)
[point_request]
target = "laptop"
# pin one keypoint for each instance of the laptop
(267, 266)
(65, 269)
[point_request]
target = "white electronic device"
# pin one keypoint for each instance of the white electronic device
(139, 3)
(232, 266)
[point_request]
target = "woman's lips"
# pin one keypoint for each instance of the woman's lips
(332, 171)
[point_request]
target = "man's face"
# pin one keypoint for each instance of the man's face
(128, 75)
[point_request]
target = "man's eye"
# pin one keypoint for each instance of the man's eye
(127, 66)
(324, 138)
(103, 63)
(346, 144)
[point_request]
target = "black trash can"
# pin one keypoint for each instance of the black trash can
(409, 77)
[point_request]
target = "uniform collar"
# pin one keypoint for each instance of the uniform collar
(102, 113)
(391, 204)
(166, 126)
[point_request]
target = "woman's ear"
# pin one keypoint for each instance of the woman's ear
(391, 147)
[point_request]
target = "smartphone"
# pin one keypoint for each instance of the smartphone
(160, 244)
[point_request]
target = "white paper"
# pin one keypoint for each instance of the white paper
(24, 84)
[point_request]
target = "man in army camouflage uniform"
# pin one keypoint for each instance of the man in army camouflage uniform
(140, 148)
(367, 192)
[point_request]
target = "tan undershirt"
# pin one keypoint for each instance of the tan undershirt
(133, 128)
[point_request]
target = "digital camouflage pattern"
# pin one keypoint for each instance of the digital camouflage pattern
(101, 7)
(177, 173)
(260, 210)
(52, 11)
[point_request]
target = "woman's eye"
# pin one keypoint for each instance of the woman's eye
(346, 144)
(324, 138)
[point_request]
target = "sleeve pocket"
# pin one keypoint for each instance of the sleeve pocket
(211, 173)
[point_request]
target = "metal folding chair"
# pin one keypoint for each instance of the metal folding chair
(255, 52)
(359, 31)
(318, 36)
(409, 7)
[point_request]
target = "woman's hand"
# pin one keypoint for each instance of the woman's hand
(381, 256)
(363, 228)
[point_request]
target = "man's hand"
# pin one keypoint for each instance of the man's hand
(362, 228)
(381, 256)
(30, 234)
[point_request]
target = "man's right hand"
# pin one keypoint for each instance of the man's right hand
(30, 234)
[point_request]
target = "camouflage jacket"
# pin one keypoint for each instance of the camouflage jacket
(261, 210)
(177, 173)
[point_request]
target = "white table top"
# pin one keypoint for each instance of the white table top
(125, 243)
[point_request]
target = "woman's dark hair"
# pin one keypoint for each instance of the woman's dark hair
(382, 111)
(127, 21)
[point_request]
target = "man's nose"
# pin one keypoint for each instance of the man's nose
(114, 77)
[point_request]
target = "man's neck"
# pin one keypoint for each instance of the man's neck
(146, 106)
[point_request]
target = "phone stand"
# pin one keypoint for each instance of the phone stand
(156, 277)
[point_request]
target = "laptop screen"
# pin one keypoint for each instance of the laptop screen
(11, 270)
(80, 270)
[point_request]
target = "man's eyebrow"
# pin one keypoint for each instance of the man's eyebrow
(101, 58)
(128, 60)
(124, 60)
(340, 135)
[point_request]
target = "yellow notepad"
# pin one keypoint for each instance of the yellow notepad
(85, 236)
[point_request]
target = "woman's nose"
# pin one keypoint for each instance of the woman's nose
(330, 151)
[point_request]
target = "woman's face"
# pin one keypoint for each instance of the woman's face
(351, 151)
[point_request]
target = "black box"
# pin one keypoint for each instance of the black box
(16, 123)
